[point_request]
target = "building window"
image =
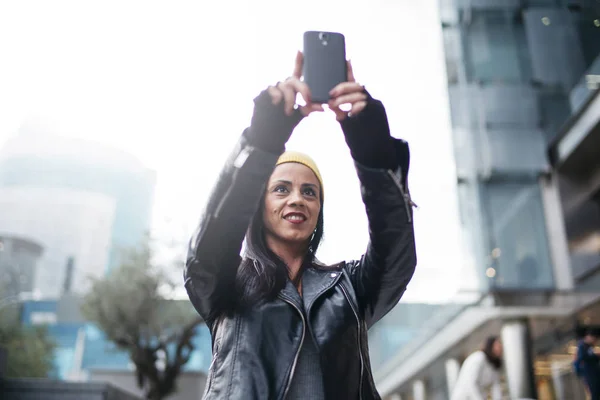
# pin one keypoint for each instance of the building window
(518, 245)
(495, 46)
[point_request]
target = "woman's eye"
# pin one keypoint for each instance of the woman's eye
(280, 189)
(310, 192)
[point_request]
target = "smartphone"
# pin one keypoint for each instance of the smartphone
(324, 63)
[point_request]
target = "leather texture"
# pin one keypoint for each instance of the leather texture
(255, 351)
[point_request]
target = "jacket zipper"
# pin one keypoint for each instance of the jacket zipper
(289, 383)
(216, 349)
(407, 201)
(359, 346)
(210, 374)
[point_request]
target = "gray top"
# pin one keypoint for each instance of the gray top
(307, 382)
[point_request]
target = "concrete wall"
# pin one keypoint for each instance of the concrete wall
(36, 389)
(190, 384)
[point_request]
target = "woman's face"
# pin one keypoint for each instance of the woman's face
(292, 205)
(497, 348)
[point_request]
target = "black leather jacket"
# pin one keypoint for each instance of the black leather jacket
(255, 352)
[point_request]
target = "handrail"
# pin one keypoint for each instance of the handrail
(430, 328)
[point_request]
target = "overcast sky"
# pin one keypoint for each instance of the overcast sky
(173, 83)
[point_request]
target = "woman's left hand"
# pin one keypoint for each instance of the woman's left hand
(349, 92)
(365, 126)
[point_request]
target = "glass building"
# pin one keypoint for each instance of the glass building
(523, 90)
(82, 201)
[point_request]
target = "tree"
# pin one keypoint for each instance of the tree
(30, 349)
(131, 306)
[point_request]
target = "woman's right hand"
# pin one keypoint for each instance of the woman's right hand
(288, 90)
(276, 114)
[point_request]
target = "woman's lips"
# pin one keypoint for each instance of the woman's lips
(295, 218)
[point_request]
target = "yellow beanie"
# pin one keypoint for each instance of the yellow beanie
(301, 158)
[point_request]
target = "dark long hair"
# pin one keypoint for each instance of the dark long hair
(488, 348)
(262, 274)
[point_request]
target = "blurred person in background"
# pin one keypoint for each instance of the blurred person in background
(479, 375)
(587, 364)
(283, 325)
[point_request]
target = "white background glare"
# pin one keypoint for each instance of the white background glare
(173, 83)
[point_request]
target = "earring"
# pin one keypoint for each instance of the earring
(310, 243)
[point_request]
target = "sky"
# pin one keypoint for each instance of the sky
(173, 82)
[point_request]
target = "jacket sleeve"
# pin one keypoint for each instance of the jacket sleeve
(381, 276)
(214, 250)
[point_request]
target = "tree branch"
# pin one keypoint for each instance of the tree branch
(173, 369)
(128, 307)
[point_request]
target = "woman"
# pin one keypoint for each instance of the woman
(480, 373)
(283, 325)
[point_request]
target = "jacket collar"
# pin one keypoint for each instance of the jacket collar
(315, 282)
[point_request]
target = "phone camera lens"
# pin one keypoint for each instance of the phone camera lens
(323, 36)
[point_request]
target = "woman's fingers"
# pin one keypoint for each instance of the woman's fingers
(287, 91)
(348, 99)
(300, 87)
(340, 114)
(357, 107)
(298, 65)
(289, 98)
(276, 95)
(345, 93)
(346, 88)
(348, 93)
(350, 71)
(289, 88)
